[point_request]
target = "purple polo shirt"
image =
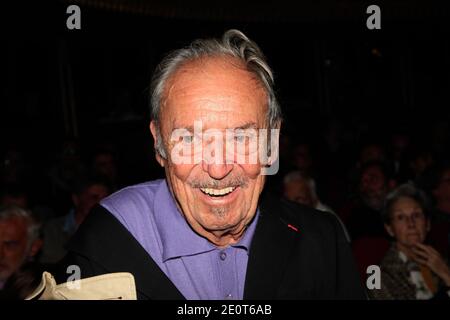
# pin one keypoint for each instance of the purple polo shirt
(199, 269)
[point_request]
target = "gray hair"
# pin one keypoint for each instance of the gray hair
(33, 226)
(407, 190)
(298, 175)
(234, 44)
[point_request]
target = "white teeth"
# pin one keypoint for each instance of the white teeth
(218, 192)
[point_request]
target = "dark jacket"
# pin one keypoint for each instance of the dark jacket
(295, 253)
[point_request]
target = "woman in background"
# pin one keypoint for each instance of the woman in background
(410, 269)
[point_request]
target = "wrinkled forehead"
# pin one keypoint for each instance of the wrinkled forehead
(210, 71)
(216, 91)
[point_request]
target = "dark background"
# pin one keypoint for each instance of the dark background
(92, 84)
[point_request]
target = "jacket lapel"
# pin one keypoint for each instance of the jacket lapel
(105, 241)
(271, 247)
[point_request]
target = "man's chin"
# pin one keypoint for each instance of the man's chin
(219, 219)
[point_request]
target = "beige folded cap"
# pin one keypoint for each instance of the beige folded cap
(111, 286)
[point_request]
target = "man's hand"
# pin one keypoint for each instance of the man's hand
(428, 256)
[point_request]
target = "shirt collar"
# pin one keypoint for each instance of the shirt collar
(177, 237)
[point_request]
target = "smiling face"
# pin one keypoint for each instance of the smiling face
(218, 198)
(409, 224)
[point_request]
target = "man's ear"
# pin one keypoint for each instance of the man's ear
(389, 230)
(35, 247)
(156, 136)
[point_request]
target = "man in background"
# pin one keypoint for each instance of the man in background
(19, 240)
(301, 188)
(57, 231)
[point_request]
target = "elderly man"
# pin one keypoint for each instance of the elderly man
(204, 232)
(19, 240)
(375, 182)
(301, 188)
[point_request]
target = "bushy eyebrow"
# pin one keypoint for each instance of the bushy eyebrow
(247, 125)
(188, 128)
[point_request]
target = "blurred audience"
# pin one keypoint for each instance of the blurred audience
(371, 152)
(420, 160)
(410, 269)
(437, 183)
(104, 165)
(59, 230)
(440, 138)
(302, 158)
(65, 173)
(13, 169)
(20, 240)
(301, 188)
(399, 147)
(364, 221)
(374, 182)
(13, 195)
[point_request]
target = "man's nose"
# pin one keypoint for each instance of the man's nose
(217, 170)
(216, 163)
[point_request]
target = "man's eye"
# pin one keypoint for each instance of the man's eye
(240, 138)
(187, 139)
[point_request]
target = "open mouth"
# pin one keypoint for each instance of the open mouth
(217, 192)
